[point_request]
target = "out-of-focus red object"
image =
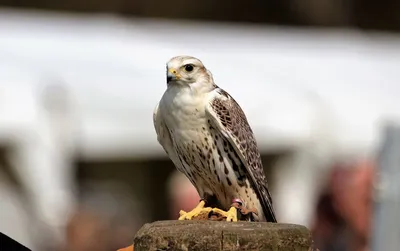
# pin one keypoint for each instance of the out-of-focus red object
(343, 215)
(352, 193)
(130, 248)
(183, 195)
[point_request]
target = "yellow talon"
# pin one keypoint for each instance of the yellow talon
(195, 212)
(231, 214)
(182, 212)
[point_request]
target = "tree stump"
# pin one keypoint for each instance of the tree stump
(206, 235)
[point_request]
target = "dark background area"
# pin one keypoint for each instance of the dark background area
(362, 14)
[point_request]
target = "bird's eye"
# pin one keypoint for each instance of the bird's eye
(188, 67)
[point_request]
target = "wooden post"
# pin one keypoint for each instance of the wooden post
(221, 235)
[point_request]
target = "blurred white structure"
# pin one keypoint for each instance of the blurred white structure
(318, 93)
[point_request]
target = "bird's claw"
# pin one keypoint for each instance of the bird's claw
(231, 214)
(194, 213)
(186, 215)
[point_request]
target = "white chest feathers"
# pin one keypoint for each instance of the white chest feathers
(183, 110)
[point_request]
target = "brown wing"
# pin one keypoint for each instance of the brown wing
(225, 113)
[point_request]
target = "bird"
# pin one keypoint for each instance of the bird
(205, 133)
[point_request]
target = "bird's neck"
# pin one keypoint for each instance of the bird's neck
(193, 89)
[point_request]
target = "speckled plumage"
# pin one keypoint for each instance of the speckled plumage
(206, 134)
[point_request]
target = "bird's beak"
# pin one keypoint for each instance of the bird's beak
(172, 75)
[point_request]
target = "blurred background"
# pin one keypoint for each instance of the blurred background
(80, 166)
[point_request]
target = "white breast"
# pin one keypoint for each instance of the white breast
(184, 115)
(183, 111)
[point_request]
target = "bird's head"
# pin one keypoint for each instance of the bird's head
(188, 71)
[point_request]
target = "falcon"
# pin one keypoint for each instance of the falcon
(205, 133)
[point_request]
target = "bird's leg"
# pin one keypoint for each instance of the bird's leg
(246, 214)
(199, 209)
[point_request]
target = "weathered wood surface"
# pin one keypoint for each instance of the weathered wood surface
(221, 235)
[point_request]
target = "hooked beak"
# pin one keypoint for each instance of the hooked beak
(172, 75)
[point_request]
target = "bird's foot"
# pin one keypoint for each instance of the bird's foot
(199, 209)
(231, 214)
(237, 212)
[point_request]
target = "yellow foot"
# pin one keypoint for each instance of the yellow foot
(199, 209)
(231, 214)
